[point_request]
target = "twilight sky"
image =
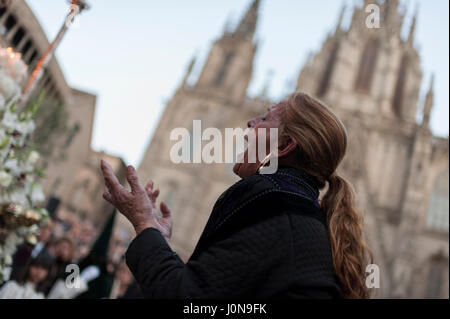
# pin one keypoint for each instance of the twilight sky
(133, 54)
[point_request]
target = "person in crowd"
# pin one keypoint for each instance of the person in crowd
(62, 250)
(70, 288)
(27, 250)
(59, 248)
(45, 237)
(123, 279)
(59, 229)
(269, 235)
(29, 283)
(85, 239)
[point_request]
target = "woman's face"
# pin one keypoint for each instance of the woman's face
(45, 233)
(64, 251)
(271, 119)
(37, 274)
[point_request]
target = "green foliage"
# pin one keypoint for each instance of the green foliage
(51, 123)
(32, 108)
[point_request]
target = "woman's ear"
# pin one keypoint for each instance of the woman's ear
(286, 146)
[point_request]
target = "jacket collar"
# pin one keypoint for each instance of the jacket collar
(290, 186)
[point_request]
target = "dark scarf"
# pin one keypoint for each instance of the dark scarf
(260, 196)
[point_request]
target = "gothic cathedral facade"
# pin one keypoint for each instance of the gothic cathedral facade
(371, 78)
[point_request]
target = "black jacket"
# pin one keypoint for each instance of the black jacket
(266, 238)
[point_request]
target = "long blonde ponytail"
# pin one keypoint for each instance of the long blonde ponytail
(322, 141)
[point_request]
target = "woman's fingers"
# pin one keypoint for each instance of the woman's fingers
(149, 187)
(133, 180)
(111, 180)
(165, 211)
(154, 195)
(107, 196)
(149, 190)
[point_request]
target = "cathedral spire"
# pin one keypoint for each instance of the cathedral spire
(403, 10)
(392, 16)
(247, 26)
(391, 9)
(189, 70)
(341, 18)
(229, 66)
(428, 105)
(227, 28)
(412, 30)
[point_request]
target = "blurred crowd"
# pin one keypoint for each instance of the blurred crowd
(44, 270)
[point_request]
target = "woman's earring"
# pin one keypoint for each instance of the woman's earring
(264, 162)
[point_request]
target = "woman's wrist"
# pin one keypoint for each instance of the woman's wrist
(140, 228)
(143, 226)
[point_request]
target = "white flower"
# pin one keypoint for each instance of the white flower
(4, 144)
(2, 134)
(19, 71)
(13, 166)
(33, 229)
(5, 179)
(4, 200)
(10, 120)
(25, 127)
(18, 197)
(6, 272)
(2, 102)
(8, 86)
(32, 240)
(3, 154)
(22, 231)
(11, 242)
(33, 157)
(8, 259)
(37, 194)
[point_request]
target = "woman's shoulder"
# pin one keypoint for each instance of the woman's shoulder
(256, 199)
(265, 194)
(284, 181)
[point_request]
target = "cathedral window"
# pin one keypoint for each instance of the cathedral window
(397, 102)
(73, 132)
(26, 47)
(223, 69)
(326, 77)
(32, 57)
(367, 66)
(438, 213)
(18, 36)
(10, 23)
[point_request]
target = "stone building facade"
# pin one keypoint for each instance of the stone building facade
(371, 78)
(74, 183)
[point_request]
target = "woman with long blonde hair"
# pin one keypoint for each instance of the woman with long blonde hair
(269, 235)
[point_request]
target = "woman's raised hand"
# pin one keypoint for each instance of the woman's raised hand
(165, 221)
(137, 205)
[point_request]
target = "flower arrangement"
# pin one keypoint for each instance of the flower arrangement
(20, 192)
